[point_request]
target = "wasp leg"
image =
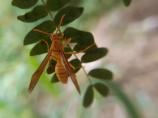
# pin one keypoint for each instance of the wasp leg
(75, 67)
(55, 59)
(79, 51)
(50, 64)
(67, 41)
(48, 51)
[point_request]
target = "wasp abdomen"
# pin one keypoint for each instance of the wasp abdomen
(61, 73)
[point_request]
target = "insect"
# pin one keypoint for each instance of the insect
(63, 67)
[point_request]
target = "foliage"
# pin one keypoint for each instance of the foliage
(81, 38)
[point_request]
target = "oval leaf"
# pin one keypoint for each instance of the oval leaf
(67, 49)
(54, 79)
(72, 13)
(79, 47)
(34, 36)
(56, 4)
(23, 4)
(78, 36)
(41, 47)
(101, 88)
(77, 64)
(51, 69)
(127, 2)
(94, 55)
(99, 73)
(88, 97)
(37, 13)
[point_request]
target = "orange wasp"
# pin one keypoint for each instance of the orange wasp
(63, 67)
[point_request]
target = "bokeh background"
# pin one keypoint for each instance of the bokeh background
(130, 34)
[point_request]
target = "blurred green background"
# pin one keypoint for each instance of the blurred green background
(130, 34)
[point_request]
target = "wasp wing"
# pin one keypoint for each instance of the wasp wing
(69, 70)
(38, 72)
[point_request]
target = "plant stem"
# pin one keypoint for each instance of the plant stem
(48, 10)
(68, 44)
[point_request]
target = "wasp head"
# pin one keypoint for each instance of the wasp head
(57, 36)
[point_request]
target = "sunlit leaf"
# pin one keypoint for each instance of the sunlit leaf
(41, 47)
(76, 63)
(51, 69)
(127, 2)
(72, 13)
(79, 47)
(23, 4)
(81, 37)
(94, 55)
(37, 13)
(99, 73)
(34, 36)
(101, 88)
(56, 4)
(54, 79)
(88, 97)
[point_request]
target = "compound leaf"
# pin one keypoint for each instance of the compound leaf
(99, 73)
(72, 13)
(54, 5)
(34, 36)
(80, 37)
(51, 69)
(101, 88)
(54, 79)
(94, 55)
(76, 63)
(88, 97)
(23, 4)
(41, 47)
(37, 13)
(67, 49)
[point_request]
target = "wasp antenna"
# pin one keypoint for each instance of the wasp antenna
(60, 23)
(42, 31)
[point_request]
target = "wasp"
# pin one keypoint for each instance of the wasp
(56, 52)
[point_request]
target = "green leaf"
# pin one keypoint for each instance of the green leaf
(37, 13)
(51, 69)
(81, 37)
(23, 4)
(79, 47)
(72, 13)
(76, 63)
(67, 49)
(101, 88)
(55, 5)
(54, 79)
(94, 55)
(127, 2)
(88, 97)
(41, 47)
(99, 73)
(34, 36)
(133, 113)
